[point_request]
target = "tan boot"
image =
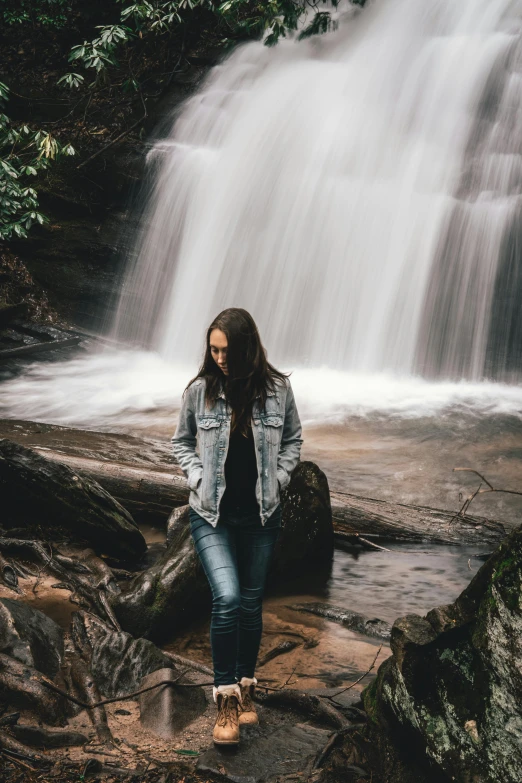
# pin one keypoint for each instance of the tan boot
(226, 728)
(247, 709)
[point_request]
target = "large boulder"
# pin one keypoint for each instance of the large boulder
(306, 543)
(447, 705)
(158, 601)
(30, 636)
(39, 493)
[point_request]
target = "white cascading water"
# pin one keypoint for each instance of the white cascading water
(360, 194)
(312, 183)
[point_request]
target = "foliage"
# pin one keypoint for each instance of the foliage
(23, 153)
(136, 35)
(46, 13)
(271, 19)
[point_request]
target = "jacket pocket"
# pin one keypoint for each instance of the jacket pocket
(272, 427)
(208, 430)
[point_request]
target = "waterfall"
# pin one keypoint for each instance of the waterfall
(359, 193)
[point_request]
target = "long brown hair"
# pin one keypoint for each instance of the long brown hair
(250, 375)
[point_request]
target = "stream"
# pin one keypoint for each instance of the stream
(359, 194)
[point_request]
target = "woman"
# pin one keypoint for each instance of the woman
(243, 412)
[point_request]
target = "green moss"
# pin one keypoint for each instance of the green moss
(369, 698)
(506, 564)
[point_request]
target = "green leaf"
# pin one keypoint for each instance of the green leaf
(186, 752)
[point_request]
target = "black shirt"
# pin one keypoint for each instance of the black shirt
(240, 475)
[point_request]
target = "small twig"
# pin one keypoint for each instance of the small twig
(49, 684)
(478, 491)
(470, 470)
(370, 543)
(289, 678)
(333, 695)
(87, 749)
(11, 755)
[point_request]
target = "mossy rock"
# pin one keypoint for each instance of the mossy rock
(449, 700)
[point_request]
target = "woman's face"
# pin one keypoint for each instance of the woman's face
(218, 348)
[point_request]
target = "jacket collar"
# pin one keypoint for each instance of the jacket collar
(269, 393)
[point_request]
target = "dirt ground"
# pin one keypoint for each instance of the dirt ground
(323, 656)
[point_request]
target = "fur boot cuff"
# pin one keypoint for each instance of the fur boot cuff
(231, 690)
(246, 681)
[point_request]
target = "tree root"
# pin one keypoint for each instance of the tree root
(17, 751)
(77, 585)
(24, 684)
(312, 706)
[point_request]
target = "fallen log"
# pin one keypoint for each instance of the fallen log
(149, 495)
(353, 514)
(152, 494)
(119, 662)
(378, 629)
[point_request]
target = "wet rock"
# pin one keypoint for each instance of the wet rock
(171, 592)
(306, 542)
(30, 636)
(166, 710)
(36, 491)
(119, 662)
(378, 629)
(264, 755)
(451, 694)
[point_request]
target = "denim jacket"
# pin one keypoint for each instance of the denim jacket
(277, 441)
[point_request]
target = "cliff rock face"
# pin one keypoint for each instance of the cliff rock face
(448, 704)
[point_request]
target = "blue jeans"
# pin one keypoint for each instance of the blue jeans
(236, 556)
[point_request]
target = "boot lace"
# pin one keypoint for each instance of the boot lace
(227, 710)
(246, 700)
